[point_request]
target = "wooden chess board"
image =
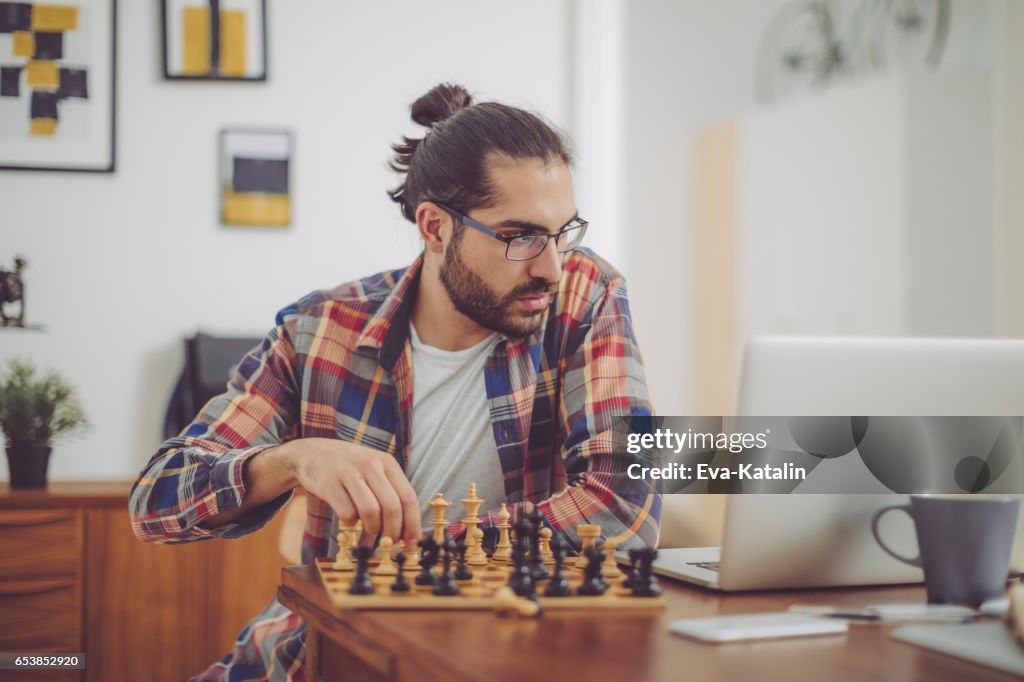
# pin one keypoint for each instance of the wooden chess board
(477, 593)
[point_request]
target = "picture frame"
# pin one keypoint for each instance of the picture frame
(58, 89)
(214, 40)
(255, 176)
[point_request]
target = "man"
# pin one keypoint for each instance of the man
(502, 356)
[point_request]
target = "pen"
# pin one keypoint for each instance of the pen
(830, 612)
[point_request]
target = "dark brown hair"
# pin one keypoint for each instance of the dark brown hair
(449, 163)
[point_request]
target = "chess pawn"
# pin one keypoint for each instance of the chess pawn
(610, 570)
(503, 550)
(343, 562)
(475, 555)
(588, 532)
(445, 585)
(386, 565)
(558, 586)
(545, 546)
(412, 558)
(462, 571)
(401, 584)
(361, 582)
(593, 584)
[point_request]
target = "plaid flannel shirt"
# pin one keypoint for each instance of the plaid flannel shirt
(338, 364)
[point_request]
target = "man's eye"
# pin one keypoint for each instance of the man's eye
(525, 239)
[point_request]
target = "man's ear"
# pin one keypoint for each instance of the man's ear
(433, 223)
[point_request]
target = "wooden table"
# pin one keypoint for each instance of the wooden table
(589, 647)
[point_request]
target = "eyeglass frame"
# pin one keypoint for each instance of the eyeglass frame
(577, 223)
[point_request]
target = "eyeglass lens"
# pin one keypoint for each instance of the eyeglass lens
(530, 246)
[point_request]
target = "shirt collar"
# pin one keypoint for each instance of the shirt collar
(388, 329)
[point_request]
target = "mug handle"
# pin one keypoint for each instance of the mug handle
(915, 561)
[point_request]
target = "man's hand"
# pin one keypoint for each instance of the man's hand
(356, 481)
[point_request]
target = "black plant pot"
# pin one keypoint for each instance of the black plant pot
(28, 464)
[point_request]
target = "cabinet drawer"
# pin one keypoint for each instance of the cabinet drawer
(40, 543)
(41, 615)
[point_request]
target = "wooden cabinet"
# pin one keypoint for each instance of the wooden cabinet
(73, 578)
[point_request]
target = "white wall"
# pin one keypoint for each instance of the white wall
(123, 266)
(689, 62)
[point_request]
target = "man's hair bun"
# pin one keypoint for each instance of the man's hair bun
(449, 162)
(442, 101)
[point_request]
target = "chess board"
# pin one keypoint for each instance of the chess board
(477, 593)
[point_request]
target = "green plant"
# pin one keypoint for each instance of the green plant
(35, 411)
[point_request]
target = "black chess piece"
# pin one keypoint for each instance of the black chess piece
(644, 582)
(445, 585)
(462, 571)
(538, 571)
(630, 570)
(361, 582)
(521, 580)
(558, 586)
(428, 559)
(400, 584)
(593, 584)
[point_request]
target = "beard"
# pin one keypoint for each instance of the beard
(472, 297)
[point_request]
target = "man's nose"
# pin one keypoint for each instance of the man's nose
(548, 265)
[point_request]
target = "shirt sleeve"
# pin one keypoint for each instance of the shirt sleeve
(603, 387)
(198, 474)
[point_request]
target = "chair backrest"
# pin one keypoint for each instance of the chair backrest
(209, 361)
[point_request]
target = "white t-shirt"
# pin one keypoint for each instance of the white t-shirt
(452, 439)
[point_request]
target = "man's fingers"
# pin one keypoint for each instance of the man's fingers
(342, 505)
(366, 504)
(410, 503)
(387, 499)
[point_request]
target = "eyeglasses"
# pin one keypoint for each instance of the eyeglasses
(519, 247)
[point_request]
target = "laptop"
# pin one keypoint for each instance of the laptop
(806, 541)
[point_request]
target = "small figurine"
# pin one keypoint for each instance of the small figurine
(12, 293)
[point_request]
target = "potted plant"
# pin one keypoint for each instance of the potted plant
(34, 411)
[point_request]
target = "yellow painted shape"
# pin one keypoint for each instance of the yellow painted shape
(195, 23)
(42, 74)
(232, 42)
(24, 44)
(54, 17)
(254, 208)
(44, 127)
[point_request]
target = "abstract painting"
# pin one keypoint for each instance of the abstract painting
(57, 65)
(254, 178)
(215, 40)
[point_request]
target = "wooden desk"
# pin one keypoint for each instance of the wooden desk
(482, 647)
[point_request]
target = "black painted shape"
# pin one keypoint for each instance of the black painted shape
(73, 83)
(10, 81)
(260, 175)
(44, 104)
(49, 45)
(15, 16)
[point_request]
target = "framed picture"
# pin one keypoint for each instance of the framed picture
(255, 185)
(222, 40)
(57, 88)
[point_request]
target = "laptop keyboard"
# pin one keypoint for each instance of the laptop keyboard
(709, 565)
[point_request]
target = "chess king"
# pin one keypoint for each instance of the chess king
(504, 354)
